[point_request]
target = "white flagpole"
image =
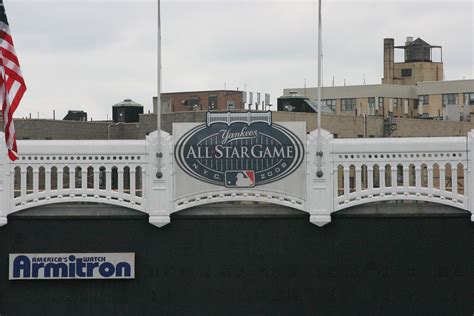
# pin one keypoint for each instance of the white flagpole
(159, 154)
(319, 152)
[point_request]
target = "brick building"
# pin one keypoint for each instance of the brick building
(218, 100)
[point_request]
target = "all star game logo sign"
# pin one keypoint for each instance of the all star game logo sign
(239, 150)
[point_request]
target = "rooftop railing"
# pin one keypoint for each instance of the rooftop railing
(242, 117)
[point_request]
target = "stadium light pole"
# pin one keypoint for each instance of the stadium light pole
(159, 154)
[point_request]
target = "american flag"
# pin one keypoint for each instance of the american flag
(12, 84)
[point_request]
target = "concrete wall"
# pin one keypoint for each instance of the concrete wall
(58, 129)
(430, 128)
(443, 87)
(349, 126)
(239, 261)
(353, 126)
(421, 71)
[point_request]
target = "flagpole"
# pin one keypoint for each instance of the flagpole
(159, 154)
(319, 153)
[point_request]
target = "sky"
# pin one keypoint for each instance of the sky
(91, 54)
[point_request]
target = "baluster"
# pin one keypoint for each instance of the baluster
(96, 178)
(346, 180)
(143, 179)
(132, 181)
(72, 178)
(23, 181)
(454, 179)
(442, 178)
(464, 183)
(370, 177)
(394, 170)
(358, 178)
(47, 179)
(84, 178)
(430, 177)
(406, 176)
(60, 178)
(382, 183)
(35, 181)
(418, 177)
(12, 181)
(120, 179)
(108, 177)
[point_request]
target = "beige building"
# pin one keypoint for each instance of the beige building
(410, 89)
(423, 100)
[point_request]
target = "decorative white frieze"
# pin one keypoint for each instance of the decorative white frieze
(354, 171)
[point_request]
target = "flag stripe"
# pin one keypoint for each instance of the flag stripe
(7, 54)
(7, 46)
(5, 35)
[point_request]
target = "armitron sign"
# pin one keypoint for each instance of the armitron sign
(239, 150)
(72, 266)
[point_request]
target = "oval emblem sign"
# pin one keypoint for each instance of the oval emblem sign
(239, 154)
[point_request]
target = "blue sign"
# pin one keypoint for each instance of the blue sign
(72, 266)
(239, 154)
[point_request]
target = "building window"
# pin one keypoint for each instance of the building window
(371, 106)
(348, 105)
(423, 99)
(212, 102)
(380, 103)
(192, 103)
(469, 98)
(451, 98)
(406, 72)
(395, 102)
(230, 104)
(330, 103)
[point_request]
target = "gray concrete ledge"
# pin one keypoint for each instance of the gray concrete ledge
(101, 211)
(78, 211)
(405, 209)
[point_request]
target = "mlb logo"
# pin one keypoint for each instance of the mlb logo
(240, 179)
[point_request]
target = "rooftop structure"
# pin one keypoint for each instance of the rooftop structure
(418, 64)
(76, 116)
(299, 103)
(126, 111)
